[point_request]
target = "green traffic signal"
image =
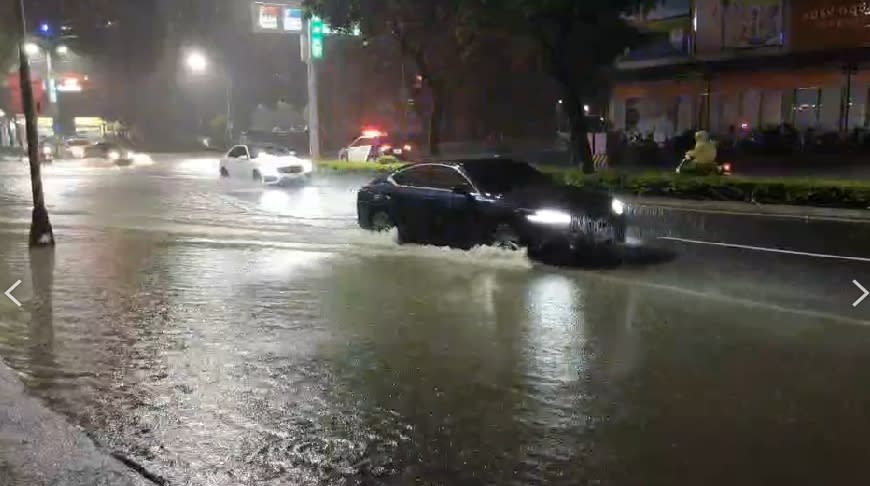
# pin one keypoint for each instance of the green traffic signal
(315, 32)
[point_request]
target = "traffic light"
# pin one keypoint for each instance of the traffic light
(315, 32)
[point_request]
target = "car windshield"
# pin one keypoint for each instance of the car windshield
(273, 150)
(503, 176)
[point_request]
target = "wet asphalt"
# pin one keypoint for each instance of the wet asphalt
(218, 332)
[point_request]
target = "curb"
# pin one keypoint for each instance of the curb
(39, 447)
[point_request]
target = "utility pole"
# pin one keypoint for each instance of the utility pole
(313, 105)
(41, 233)
(229, 120)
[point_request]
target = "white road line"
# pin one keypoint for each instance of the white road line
(769, 250)
(805, 217)
(733, 300)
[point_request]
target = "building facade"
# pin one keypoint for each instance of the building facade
(732, 65)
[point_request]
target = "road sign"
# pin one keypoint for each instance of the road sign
(315, 31)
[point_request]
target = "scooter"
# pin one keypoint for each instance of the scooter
(723, 169)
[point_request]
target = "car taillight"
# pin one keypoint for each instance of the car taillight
(726, 167)
(386, 148)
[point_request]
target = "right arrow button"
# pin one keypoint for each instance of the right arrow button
(863, 296)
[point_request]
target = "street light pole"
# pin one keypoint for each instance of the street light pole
(41, 233)
(313, 105)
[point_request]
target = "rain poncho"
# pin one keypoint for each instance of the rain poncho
(704, 152)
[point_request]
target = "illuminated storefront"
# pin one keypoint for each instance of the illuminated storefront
(754, 63)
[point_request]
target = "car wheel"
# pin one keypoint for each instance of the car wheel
(257, 176)
(381, 221)
(224, 172)
(506, 237)
(342, 156)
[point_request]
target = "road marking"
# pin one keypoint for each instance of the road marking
(806, 217)
(9, 291)
(733, 300)
(860, 299)
(769, 250)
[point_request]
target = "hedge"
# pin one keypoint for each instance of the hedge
(791, 191)
(384, 164)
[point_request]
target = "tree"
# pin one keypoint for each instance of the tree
(438, 36)
(579, 42)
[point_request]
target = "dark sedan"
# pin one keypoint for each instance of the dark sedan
(491, 202)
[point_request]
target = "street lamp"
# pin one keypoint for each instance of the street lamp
(197, 62)
(35, 47)
(31, 49)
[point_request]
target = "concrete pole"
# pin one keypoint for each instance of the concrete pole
(41, 233)
(229, 120)
(313, 105)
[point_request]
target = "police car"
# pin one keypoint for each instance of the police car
(373, 144)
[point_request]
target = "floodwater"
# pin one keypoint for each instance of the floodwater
(217, 333)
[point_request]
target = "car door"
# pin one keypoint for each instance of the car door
(422, 202)
(455, 208)
(360, 149)
(234, 160)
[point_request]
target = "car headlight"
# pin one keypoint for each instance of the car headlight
(551, 217)
(617, 206)
(114, 155)
(307, 166)
(131, 154)
(46, 150)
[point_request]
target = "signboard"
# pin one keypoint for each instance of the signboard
(69, 84)
(277, 18)
(292, 19)
(89, 126)
(286, 18)
(753, 23)
(823, 24)
(267, 17)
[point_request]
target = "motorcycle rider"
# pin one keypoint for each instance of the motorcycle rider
(701, 159)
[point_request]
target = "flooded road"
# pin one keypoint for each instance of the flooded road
(215, 332)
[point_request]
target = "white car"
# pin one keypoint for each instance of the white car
(266, 163)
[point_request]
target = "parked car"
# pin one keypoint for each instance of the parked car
(265, 163)
(498, 202)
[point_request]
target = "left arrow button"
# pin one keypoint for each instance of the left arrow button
(9, 291)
